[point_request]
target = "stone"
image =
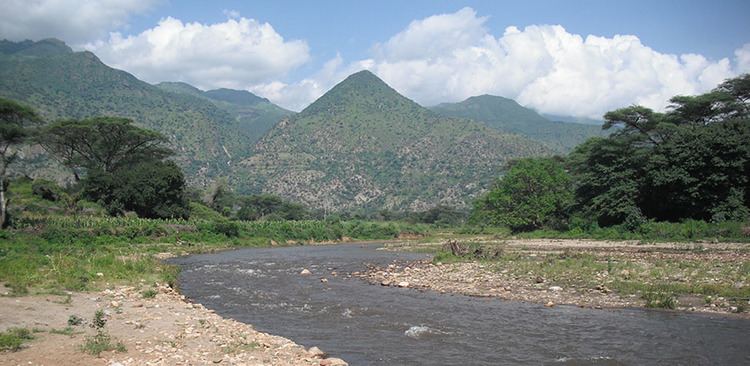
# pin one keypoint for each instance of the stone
(324, 280)
(316, 352)
(403, 284)
(539, 279)
(114, 304)
(305, 272)
(333, 361)
(549, 304)
(555, 288)
(385, 283)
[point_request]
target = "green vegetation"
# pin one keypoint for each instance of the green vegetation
(535, 193)
(680, 175)
(363, 146)
(61, 84)
(508, 116)
(149, 294)
(13, 118)
(101, 341)
(14, 338)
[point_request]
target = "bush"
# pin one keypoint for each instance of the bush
(535, 193)
(13, 338)
(46, 189)
(662, 300)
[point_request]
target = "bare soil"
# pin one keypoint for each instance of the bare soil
(164, 330)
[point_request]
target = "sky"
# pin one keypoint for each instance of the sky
(578, 58)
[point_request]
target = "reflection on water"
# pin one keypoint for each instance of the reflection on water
(374, 325)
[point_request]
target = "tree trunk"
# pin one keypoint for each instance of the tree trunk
(3, 201)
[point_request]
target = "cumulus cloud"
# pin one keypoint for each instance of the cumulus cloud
(234, 54)
(72, 21)
(450, 57)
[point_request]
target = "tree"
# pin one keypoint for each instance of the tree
(13, 118)
(152, 189)
(535, 193)
(266, 207)
(692, 161)
(101, 143)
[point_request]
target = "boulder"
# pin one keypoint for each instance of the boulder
(333, 361)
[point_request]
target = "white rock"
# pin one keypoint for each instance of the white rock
(316, 352)
(305, 272)
(555, 288)
(403, 284)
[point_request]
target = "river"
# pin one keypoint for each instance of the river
(373, 325)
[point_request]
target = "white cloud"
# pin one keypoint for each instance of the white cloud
(450, 57)
(234, 54)
(742, 55)
(72, 21)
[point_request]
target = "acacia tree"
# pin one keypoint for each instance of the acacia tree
(13, 117)
(101, 143)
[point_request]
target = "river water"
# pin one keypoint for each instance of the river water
(374, 325)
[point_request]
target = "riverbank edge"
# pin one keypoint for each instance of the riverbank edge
(464, 277)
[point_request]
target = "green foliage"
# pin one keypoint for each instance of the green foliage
(508, 116)
(660, 300)
(151, 189)
(535, 193)
(74, 320)
(104, 144)
(47, 190)
(149, 294)
(14, 338)
(270, 207)
(101, 341)
(691, 162)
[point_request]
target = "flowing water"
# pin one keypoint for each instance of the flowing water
(374, 325)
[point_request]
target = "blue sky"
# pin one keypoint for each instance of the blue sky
(712, 28)
(565, 57)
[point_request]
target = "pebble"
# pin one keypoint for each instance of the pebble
(316, 352)
(305, 272)
(549, 304)
(403, 284)
(555, 288)
(333, 361)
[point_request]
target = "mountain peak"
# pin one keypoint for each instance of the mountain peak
(362, 91)
(239, 97)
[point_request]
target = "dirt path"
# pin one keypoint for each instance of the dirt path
(163, 330)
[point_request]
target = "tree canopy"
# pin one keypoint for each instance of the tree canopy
(102, 143)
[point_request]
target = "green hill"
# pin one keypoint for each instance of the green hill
(59, 83)
(508, 116)
(255, 115)
(363, 145)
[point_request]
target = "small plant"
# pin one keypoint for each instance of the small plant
(661, 300)
(68, 331)
(13, 339)
(101, 341)
(74, 320)
(149, 294)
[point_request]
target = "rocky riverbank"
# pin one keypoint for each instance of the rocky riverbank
(155, 325)
(585, 273)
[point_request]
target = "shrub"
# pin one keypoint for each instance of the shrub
(662, 300)
(13, 339)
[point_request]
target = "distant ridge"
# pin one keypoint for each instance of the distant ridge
(508, 116)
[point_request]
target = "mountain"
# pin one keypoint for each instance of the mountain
(59, 83)
(363, 145)
(573, 119)
(508, 116)
(255, 115)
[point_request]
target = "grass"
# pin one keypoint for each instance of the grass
(149, 294)
(657, 279)
(68, 331)
(14, 338)
(101, 342)
(49, 253)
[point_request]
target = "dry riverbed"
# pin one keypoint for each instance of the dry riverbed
(595, 274)
(160, 328)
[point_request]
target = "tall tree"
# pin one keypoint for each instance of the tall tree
(101, 143)
(13, 131)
